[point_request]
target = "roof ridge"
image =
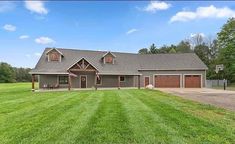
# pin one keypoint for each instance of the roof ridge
(74, 49)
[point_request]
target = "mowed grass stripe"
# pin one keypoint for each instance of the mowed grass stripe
(205, 112)
(22, 103)
(109, 124)
(24, 124)
(147, 126)
(67, 119)
(80, 117)
(26, 117)
(33, 108)
(191, 128)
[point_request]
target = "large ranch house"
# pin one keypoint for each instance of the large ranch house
(75, 69)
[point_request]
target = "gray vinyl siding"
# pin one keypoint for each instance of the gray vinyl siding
(51, 80)
(107, 81)
(129, 82)
(112, 81)
(182, 73)
(76, 83)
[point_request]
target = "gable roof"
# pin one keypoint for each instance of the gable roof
(109, 53)
(125, 63)
(79, 61)
(55, 50)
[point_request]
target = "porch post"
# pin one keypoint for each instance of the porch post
(119, 82)
(138, 81)
(33, 79)
(69, 87)
(95, 82)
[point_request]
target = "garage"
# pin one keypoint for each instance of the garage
(192, 81)
(167, 81)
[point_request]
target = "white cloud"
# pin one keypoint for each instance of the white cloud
(36, 6)
(23, 37)
(192, 35)
(28, 55)
(9, 27)
(37, 54)
(203, 12)
(157, 5)
(131, 31)
(44, 40)
(6, 6)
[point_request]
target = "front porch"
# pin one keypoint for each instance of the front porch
(85, 80)
(83, 75)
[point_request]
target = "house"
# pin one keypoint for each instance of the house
(71, 68)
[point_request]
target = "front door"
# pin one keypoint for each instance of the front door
(146, 81)
(83, 81)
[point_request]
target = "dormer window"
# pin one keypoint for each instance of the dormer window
(108, 58)
(54, 55)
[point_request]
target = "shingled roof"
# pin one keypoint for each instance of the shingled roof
(125, 63)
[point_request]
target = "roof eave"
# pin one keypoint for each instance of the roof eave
(41, 73)
(172, 69)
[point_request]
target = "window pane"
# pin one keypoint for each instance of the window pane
(63, 80)
(122, 78)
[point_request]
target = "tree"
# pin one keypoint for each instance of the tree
(202, 52)
(213, 59)
(143, 51)
(183, 47)
(6, 73)
(22, 74)
(153, 49)
(226, 43)
(197, 39)
(172, 50)
(166, 49)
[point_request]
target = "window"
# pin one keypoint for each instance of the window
(54, 56)
(108, 59)
(98, 80)
(63, 80)
(122, 78)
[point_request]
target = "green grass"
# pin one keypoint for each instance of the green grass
(109, 116)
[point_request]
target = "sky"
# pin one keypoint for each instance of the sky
(28, 27)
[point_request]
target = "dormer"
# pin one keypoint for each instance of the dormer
(108, 58)
(54, 55)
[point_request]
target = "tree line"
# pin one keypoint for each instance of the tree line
(9, 74)
(212, 51)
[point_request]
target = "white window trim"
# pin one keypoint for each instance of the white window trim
(192, 74)
(181, 80)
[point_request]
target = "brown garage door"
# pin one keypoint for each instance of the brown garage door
(192, 81)
(167, 81)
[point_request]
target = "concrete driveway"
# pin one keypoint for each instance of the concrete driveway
(220, 98)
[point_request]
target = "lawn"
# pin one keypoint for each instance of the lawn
(108, 116)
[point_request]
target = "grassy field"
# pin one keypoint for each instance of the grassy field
(109, 116)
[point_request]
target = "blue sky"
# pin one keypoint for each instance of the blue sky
(26, 28)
